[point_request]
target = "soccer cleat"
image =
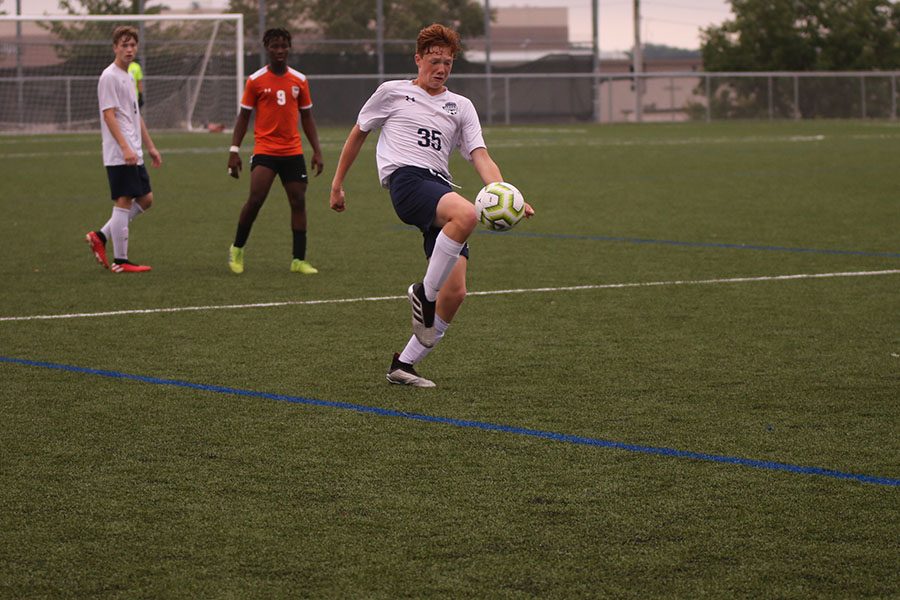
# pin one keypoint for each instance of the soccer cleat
(302, 266)
(98, 248)
(128, 267)
(422, 315)
(236, 259)
(402, 373)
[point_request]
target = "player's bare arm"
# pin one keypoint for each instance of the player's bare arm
(240, 130)
(109, 116)
(489, 172)
(312, 134)
(155, 156)
(350, 151)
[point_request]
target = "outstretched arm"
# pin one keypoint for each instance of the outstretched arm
(348, 154)
(489, 172)
(485, 166)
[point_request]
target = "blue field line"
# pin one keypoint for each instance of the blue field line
(632, 240)
(482, 425)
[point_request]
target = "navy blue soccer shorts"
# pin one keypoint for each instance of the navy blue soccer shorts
(415, 193)
(130, 181)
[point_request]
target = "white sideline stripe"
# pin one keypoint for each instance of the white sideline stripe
(571, 288)
(528, 142)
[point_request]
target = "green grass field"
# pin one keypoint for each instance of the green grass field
(251, 447)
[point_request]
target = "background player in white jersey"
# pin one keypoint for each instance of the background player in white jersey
(421, 123)
(122, 130)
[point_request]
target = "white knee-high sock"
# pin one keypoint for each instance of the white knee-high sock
(118, 231)
(443, 259)
(135, 211)
(415, 351)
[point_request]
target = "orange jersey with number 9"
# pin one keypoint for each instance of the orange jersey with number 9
(277, 100)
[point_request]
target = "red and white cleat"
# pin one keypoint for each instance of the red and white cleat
(97, 247)
(128, 267)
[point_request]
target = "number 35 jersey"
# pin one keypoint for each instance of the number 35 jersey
(277, 100)
(419, 130)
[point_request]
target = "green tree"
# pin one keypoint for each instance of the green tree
(94, 31)
(803, 35)
(290, 14)
(800, 35)
(355, 19)
(109, 7)
(402, 20)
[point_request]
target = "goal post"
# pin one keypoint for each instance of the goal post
(193, 69)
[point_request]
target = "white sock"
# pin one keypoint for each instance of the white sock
(135, 211)
(415, 351)
(443, 259)
(118, 229)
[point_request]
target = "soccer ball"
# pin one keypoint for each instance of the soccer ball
(499, 206)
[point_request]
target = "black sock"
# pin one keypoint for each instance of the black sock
(101, 236)
(243, 232)
(299, 244)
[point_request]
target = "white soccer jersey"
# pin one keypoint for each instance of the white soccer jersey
(419, 130)
(116, 90)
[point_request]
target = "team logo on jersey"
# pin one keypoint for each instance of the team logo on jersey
(451, 108)
(295, 90)
(410, 99)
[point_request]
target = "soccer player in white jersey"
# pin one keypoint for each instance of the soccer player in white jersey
(122, 130)
(421, 123)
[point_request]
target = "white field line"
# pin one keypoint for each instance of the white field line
(571, 288)
(527, 142)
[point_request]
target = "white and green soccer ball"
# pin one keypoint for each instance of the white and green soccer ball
(499, 206)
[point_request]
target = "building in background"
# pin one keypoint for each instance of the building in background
(523, 34)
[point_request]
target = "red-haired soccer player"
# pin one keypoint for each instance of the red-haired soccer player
(421, 123)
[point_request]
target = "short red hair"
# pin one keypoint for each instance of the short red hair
(437, 35)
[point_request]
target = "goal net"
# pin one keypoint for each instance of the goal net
(193, 68)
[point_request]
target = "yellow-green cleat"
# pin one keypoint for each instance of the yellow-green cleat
(236, 259)
(302, 266)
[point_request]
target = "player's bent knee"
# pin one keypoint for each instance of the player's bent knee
(453, 295)
(464, 215)
(454, 207)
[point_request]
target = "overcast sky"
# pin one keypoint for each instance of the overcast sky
(669, 22)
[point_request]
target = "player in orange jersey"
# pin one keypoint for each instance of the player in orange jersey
(280, 95)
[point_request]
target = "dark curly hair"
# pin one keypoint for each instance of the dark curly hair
(277, 32)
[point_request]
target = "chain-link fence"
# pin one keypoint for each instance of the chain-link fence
(194, 74)
(558, 97)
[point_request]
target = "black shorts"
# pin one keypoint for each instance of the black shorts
(131, 181)
(289, 168)
(415, 193)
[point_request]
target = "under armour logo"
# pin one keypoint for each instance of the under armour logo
(410, 99)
